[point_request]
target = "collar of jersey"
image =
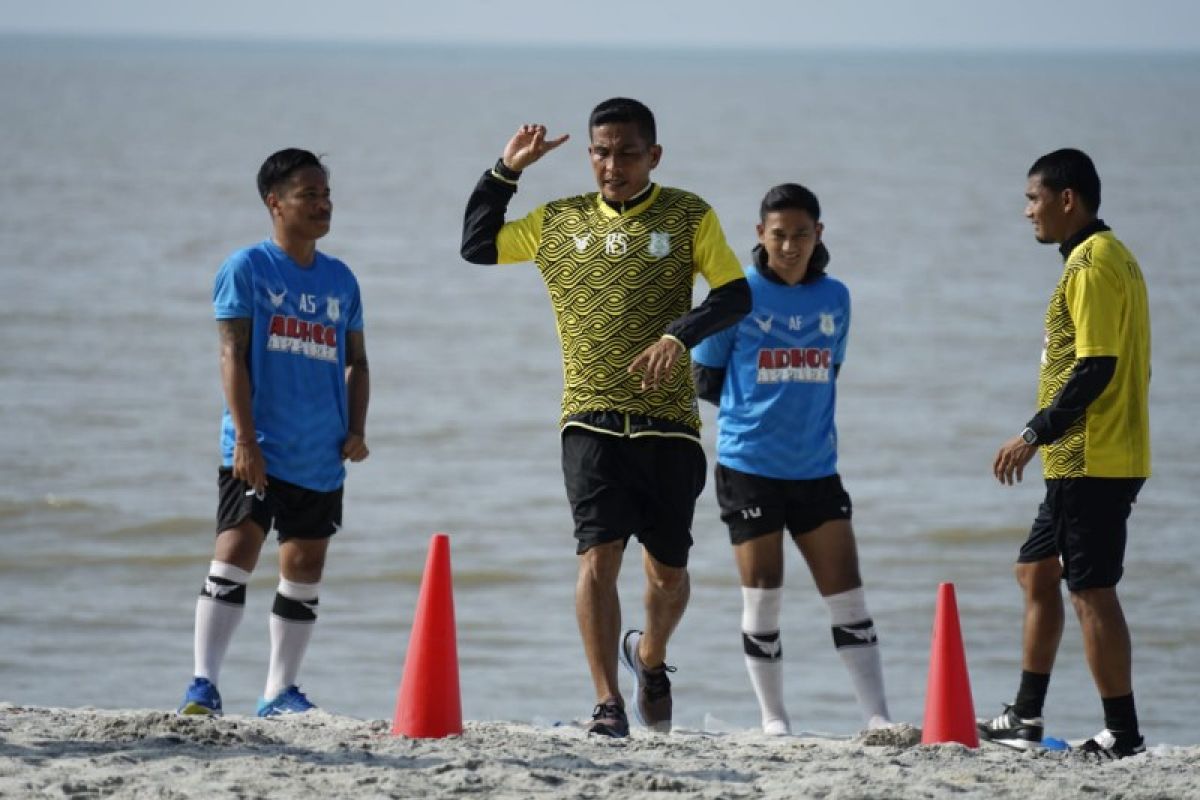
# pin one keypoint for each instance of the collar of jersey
(1080, 236)
(641, 206)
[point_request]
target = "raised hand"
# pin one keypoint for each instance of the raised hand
(529, 144)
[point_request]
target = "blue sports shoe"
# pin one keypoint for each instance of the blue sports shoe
(290, 701)
(201, 698)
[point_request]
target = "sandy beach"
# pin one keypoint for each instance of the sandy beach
(84, 753)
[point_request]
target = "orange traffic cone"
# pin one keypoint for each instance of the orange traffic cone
(429, 705)
(949, 711)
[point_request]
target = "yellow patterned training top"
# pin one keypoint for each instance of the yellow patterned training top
(1100, 309)
(616, 281)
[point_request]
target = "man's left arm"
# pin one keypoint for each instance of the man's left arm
(723, 306)
(358, 395)
(728, 298)
(1087, 382)
(1094, 302)
(727, 302)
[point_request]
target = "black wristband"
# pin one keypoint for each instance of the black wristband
(504, 172)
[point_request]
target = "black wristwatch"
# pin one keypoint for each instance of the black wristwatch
(1029, 436)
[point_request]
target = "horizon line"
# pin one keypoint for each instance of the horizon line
(693, 47)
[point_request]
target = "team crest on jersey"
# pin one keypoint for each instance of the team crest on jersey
(660, 244)
(332, 309)
(581, 242)
(827, 326)
(276, 299)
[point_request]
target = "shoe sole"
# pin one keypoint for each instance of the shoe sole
(777, 728)
(608, 731)
(1078, 749)
(1013, 744)
(1102, 758)
(627, 660)
(197, 710)
(284, 713)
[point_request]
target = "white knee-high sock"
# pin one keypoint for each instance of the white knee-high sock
(218, 612)
(855, 640)
(292, 620)
(764, 654)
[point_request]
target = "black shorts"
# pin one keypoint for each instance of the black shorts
(295, 512)
(1082, 521)
(754, 505)
(644, 486)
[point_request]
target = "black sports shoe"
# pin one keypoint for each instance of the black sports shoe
(1010, 729)
(1105, 746)
(608, 719)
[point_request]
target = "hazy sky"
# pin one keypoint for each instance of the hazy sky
(1039, 24)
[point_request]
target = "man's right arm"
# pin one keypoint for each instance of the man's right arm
(485, 238)
(485, 213)
(709, 382)
(248, 463)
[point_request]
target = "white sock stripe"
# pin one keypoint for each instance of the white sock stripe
(761, 609)
(221, 569)
(847, 607)
(298, 591)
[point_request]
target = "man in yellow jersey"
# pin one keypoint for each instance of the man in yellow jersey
(619, 265)
(1093, 430)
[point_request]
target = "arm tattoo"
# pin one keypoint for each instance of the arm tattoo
(235, 336)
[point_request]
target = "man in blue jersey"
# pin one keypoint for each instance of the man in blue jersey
(296, 384)
(774, 378)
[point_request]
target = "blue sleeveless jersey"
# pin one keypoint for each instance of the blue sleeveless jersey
(776, 417)
(299, 318)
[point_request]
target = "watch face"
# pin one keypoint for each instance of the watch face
(1029, 436)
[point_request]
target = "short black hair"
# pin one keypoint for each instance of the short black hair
(1069, 168)
(623, 110)
(280, 166)
(788, 196)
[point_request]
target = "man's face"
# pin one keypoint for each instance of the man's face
(789, 236)
(1047, 210)
(303, 206)
(621, 160)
